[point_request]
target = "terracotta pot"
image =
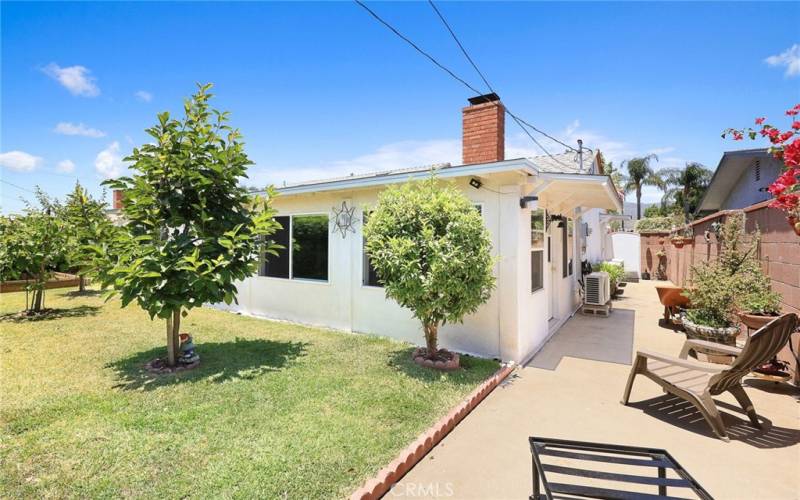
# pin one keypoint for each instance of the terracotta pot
(755, 321)
(794, 223)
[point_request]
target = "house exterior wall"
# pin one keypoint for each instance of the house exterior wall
(779, 254)
(512, 325)
(750, 190)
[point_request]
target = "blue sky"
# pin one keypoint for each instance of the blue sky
(321, 89)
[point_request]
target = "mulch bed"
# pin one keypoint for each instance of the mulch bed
(159, 366)
(442, 360)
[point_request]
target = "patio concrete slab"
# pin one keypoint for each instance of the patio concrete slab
(571, 390)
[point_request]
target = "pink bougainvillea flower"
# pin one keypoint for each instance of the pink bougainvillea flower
(759, 121)
(795, 110)
(737, 136)
(791, 154)
(796, 125)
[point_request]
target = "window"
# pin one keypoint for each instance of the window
(537, 250)
(369, 277)
(479, 208)
(310, 247)
(307, 255)
(278, 266)
(567, 249)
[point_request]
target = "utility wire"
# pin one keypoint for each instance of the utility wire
(489, 85)
(461, 80)
(18, 187)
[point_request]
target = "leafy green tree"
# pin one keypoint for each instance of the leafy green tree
(432, 253)
(685, 187)
(86, 224)
(191, 229)
(32, 246)
(641, 174)
(617, 177)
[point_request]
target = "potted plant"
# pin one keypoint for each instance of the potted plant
(720, 285)
(760, 306)
(616, 274)
(677, 241)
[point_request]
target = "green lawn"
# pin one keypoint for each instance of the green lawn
(275, 409)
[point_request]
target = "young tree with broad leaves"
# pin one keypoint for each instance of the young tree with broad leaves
(640, 174)
(191, 230)
(32, 245)
(432, 253)
(86, 224)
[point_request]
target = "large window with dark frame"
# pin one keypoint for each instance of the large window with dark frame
(305, 249)
(537, 249)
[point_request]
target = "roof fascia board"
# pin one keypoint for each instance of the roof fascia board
(378, 180)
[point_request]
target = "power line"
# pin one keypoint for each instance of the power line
(18, 187)
(461, 80)
(483, 77)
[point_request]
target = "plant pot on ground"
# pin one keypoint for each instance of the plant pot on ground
(723, 286)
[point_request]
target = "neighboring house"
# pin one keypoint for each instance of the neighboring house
(325, 278)
(741, 180)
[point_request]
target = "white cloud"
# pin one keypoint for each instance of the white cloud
(76, 79)
(19, 161)
(661, 151)
(108, 162)
(143, 95)
(65, 166)
(396, 155)
(789, 58)
(69, 128)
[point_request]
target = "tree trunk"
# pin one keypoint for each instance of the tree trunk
(173, 339)
(81, 284)
(638, 202)
(38, 300)
(431, 334)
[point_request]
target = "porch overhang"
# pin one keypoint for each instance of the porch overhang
(563, 193)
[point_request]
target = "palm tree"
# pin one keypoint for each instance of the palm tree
(641, 174)
(685, 186)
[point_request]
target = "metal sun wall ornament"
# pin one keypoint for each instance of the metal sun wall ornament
(344, 219)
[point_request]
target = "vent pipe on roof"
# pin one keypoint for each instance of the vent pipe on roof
(580, 154)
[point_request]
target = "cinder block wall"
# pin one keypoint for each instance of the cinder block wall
(779, 254)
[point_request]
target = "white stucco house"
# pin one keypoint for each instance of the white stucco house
(534, 208)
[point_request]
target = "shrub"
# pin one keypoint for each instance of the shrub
(733, 282)
(432, 253)
(616, 272)
(658, 224)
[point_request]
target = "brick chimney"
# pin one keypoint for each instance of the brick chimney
(117, 204)
(484, 123)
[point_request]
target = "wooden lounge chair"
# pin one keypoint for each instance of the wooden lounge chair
(697, 382)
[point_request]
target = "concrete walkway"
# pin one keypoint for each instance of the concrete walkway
(571, 390)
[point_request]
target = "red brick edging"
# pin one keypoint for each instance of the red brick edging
(389, 475)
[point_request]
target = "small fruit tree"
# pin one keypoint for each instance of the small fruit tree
(191, 229)
(432, 253)
(86, 224)
(32, 245)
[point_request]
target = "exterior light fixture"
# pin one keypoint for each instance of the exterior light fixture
(475, 183)
(531, 202)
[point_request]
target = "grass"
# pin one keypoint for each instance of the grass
(274, 410)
